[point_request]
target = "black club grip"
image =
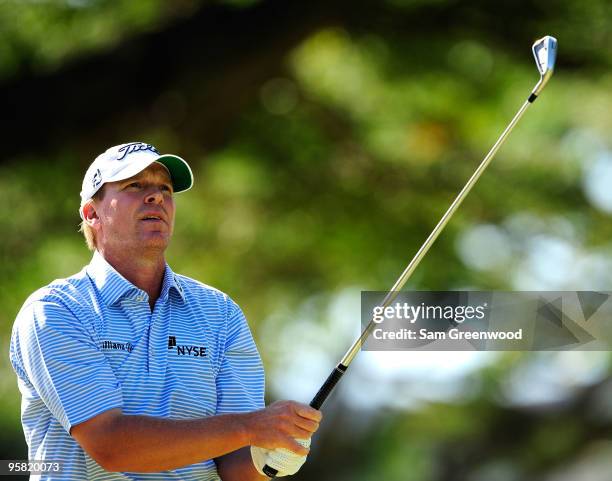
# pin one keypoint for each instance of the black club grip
(317, 401)
(328, 386)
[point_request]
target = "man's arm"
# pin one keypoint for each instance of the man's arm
(119, 442)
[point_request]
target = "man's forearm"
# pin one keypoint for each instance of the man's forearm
(148, 444)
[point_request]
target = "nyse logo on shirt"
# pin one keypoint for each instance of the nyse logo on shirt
(185, 349)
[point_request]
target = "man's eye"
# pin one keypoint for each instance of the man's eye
(135, 185)
(167, 188)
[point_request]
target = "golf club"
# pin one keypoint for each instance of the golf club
(545, 53)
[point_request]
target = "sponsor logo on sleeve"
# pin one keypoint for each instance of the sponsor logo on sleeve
(116, 346)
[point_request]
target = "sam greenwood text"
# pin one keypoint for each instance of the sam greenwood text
(453, 334)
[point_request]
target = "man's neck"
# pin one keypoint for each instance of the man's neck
(146, 273)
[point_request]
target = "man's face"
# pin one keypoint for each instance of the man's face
(136, 214)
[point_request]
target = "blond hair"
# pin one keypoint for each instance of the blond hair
(85, 228)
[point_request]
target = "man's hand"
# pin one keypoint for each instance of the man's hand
(279, 435)
(280, 424)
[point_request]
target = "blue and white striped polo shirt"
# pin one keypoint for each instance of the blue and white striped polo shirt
(89, 343)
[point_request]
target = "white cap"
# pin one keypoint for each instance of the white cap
(126, 160)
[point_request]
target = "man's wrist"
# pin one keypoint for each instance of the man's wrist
(241, 421)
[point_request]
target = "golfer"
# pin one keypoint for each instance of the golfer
(130, 371)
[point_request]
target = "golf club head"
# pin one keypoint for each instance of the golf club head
(545, 53)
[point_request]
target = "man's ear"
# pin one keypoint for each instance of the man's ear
(90, 216)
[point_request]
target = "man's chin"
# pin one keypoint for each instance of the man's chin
(156, 240)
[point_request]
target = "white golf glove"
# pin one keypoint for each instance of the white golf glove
(284, 461)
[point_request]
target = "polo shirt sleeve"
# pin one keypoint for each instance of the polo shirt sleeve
(240, 379)
(58, 357)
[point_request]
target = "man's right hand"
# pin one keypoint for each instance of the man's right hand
(279, 424)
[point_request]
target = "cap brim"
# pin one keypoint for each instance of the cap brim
(180, 172)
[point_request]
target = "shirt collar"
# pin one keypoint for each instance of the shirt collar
(113, 286)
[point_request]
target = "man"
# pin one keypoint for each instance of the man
(129, 371)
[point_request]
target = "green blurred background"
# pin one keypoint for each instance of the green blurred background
(327, 138)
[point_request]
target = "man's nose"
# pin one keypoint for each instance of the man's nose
(154, 196)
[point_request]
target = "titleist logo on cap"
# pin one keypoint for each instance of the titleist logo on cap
(135, 147)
